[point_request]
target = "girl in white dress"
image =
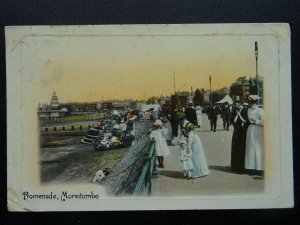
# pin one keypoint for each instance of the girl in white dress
(161, 147)
(254, 158)
(186, 163)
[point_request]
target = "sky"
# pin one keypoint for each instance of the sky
(119, 67)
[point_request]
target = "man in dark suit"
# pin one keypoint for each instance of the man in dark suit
(226, 116)
(213, 117)
(191, 115)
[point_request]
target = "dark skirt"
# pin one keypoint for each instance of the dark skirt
(174, 126)
(238, 147)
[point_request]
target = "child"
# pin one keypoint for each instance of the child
(100, 174)
(161, 147)
(186, 160)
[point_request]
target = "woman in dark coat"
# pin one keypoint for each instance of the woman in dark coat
(239, 120)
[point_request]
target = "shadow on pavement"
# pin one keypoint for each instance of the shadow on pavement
(211, 131)
(171, 174)
(223, 169)
(258, 178)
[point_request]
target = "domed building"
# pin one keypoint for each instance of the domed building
(54, 101)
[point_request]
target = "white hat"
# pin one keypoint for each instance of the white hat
(158, 123)
(182, 142)
(253, 97)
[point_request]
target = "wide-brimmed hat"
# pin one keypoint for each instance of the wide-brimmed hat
(180, 115)
(182, 142)
(253, 97)
(190, 103)
(158, 123)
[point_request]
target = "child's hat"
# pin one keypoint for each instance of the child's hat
(157, 123)
(182, 142)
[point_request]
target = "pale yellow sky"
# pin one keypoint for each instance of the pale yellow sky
(117, 67)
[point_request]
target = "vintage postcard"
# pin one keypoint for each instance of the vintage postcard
(149, 117)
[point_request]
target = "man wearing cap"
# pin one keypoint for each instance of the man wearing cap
(239, 121)
(187, 132)
(254, 156)
(213, 117)
(226, 116)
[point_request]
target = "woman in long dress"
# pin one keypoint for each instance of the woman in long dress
(199, 116)
(239, 120)
(187, 132)
(167, 131)
(254, 159)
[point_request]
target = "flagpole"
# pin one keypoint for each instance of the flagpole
(256, 57)
(210, 97)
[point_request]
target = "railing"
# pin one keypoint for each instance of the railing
(149, 171)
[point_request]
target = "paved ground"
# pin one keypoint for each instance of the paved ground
(220, 181)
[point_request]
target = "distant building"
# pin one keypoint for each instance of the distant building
(85, 106)
(55, 109)
(54, 103)
(52, 113)
(181, 98)
(106, 106)
(244, 87)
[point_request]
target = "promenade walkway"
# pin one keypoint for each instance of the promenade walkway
(220, 181)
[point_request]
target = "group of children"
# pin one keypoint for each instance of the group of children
(162, 149)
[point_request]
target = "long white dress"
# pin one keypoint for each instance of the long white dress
(254, 157)
(195, 144)
(161, 147)
(199, 117)
(167, 131)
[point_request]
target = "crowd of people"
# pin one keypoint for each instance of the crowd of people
(247, 154)
(115, 130)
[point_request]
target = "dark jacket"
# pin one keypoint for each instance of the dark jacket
(213, 113)
(225, 113)
(191, 115)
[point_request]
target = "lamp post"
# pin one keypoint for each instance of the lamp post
(256, 56)
(210, 97)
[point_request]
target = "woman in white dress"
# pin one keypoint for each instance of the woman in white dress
(187, 132)
(199, 116)
(254, 158)
(167, 131)
(161, 147)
